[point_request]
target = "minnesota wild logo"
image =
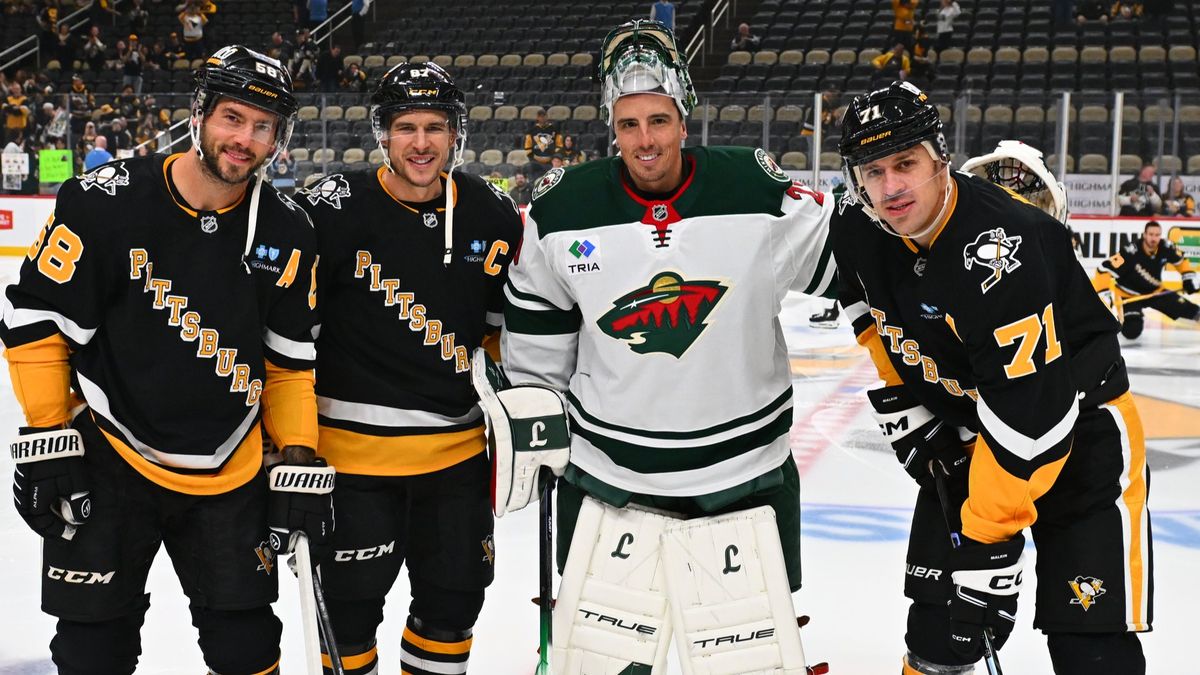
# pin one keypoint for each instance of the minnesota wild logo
(666, 315)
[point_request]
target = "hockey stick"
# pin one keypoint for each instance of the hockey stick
(939, 479)
(545, 568)
(313, 608)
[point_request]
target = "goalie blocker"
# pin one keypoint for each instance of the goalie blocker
(527, 430)
(718, 586)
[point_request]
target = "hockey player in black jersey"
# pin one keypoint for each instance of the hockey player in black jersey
(164, 314)
(1134, 278)
(414, 257)
(1002, 372)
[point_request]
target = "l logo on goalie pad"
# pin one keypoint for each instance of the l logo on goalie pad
(731, 618)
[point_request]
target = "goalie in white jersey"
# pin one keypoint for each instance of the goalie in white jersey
(647, 292)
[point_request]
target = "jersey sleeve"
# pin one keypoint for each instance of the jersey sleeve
(541, 318)
(802, 248)
(1179, 262)
(288, 339)
(853, 300)
(64, 279)
(1027, 402)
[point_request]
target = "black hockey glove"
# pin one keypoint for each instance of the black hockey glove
(917, 436)
(1189, 283)
(50, 485)
(987, 578)
(301, 500)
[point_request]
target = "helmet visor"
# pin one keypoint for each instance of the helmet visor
(638, 33)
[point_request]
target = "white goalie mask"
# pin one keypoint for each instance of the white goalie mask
(641, 57)
(1019, 167)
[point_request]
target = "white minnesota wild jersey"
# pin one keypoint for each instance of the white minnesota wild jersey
(658, 316)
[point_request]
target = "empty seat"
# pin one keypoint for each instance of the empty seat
(1093, 163)
(491, 157)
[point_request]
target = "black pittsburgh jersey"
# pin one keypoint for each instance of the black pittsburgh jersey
(398, 326)
(167, 322)
(995, 328)
(1138, 271)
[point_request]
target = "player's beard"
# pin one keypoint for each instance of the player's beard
(212, 163)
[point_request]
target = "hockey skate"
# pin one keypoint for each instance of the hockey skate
(825, 319)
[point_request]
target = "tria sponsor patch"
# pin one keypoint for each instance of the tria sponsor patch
(583, 257)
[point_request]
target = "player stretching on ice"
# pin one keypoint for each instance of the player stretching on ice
(647, 291)
(992, 346)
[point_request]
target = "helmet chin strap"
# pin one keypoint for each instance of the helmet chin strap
(456, 160)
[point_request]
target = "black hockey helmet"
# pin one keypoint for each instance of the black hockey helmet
(247, 76)
(884, 122)
(408, 86)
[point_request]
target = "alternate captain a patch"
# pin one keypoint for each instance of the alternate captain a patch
(995, 251)
(666, 315)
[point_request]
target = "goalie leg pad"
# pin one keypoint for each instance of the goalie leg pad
(730, 600)
(611, 614)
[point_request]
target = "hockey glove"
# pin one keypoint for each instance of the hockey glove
(918, 437)
(987, 578)
(50, 485)
(1189, 282)
(301, 500)
(527, 430)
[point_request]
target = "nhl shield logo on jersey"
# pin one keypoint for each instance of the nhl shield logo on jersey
(764, 160)
(1087, 590)
(208, 224)
(547, 182)
(107, 178)
(994, 250)
(332, 190)
(666, 315)
(430, 219)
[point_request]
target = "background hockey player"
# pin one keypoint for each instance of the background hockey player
(1134, 277)
(413, 264)
(173, 297)
(980, 321)
(654, 310)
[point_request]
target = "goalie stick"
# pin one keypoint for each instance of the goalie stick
(990, 659)
(545, 569)
(314, 613)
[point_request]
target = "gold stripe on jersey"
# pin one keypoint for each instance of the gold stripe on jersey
(1008, 506)
(270, 671)
(243, 465)
(41, 379)
(175, 197)
(382, 171)
(408, 455)
(945, 219)
(870, 339)
(491, 343)
(1132, 505)
(290, 407)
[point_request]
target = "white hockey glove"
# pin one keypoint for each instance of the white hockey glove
(527, 430)
(50, 482)
(301, 500)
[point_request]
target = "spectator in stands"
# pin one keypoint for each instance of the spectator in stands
(571, 155)
(353, 79)
(1126, 9)
(131, 65)
(522, 190)
(892, 65)
(64, 46)
(193, 21)
(664, 11)
(97, 155)
(47, 21)
(94, 49)
(175, 49)
(542, 142)
(157, 58)
(16, 112)
(329, 68)
(744, 41)
(283, 172)
(828, 118)
(1090, 10)
(904, 22)
(138, 17)
(303, 60)
(278, 49)
(318, 11)
(946, 15)
(147, 130)
(118, 138)
(55, 127)
(81, 104)
(1139, 195)
(1177, 203)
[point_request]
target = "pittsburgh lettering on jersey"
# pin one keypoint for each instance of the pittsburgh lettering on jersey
(910, 354)
(414, 313)
(190, 330)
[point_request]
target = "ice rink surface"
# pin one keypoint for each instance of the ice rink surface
(856, 516)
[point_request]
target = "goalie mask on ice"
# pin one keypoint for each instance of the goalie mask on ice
(1019, 167)
(641, 57)
(635, 581)
(527, 430)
